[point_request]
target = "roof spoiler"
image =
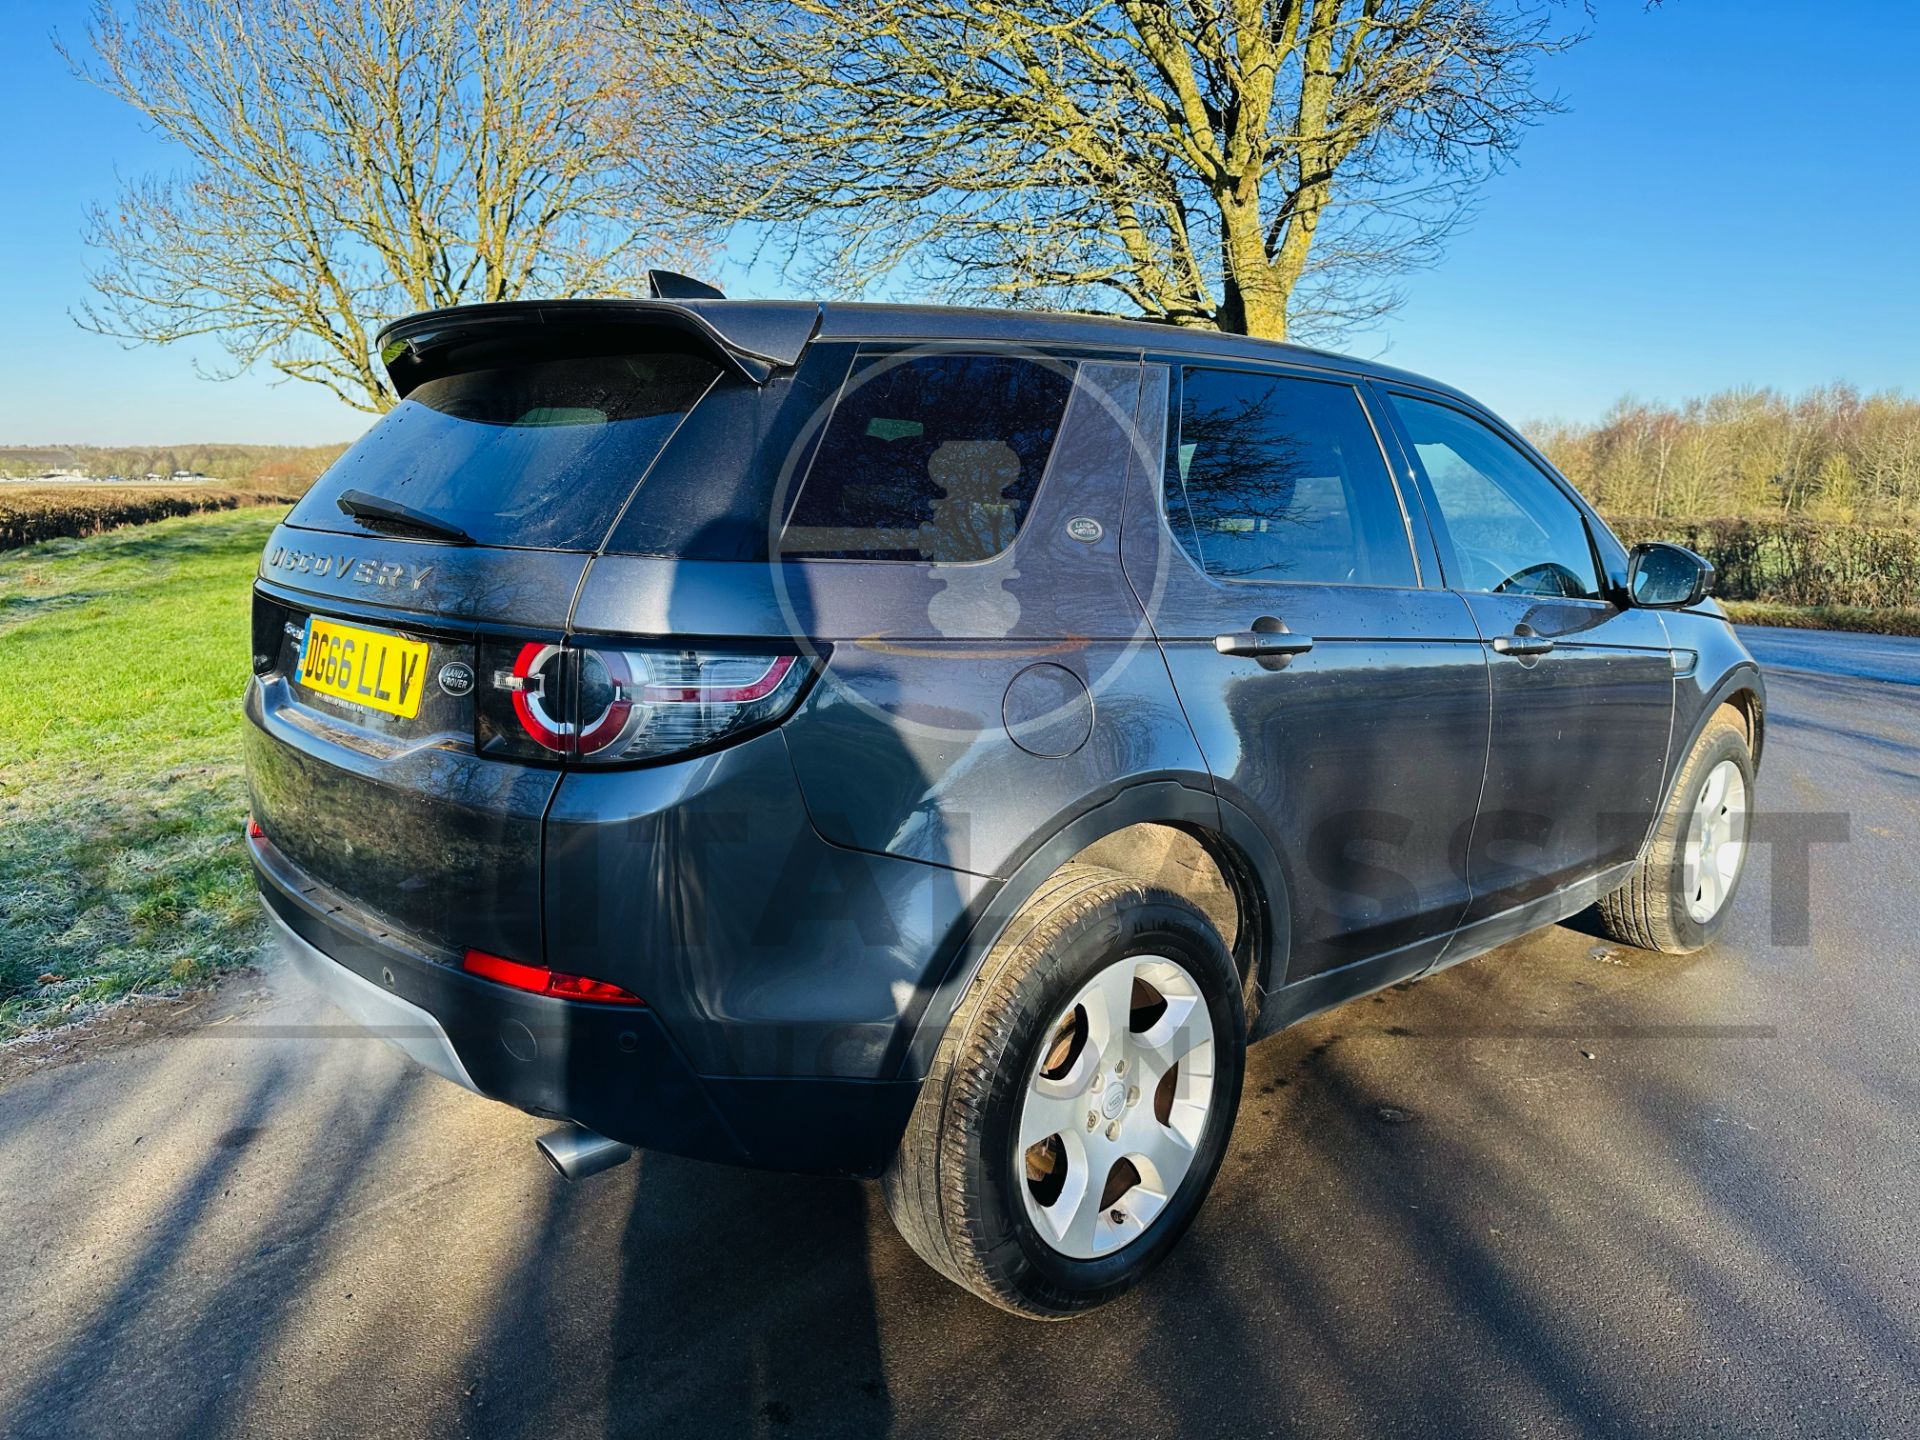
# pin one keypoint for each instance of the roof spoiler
(750, 338)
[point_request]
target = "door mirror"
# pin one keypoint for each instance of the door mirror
(1667, 577)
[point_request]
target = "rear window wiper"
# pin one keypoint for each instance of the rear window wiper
(374, 512)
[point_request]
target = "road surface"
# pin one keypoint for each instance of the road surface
(1439, 1214)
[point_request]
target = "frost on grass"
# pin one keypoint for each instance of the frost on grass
(122, 894)
(122, 870)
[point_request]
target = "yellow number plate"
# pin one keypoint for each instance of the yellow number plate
(375, 668)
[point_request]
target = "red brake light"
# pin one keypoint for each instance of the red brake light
(578, 987)
(507, 972)
(538, 980)
(254, 832)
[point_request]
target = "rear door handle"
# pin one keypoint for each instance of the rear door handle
(1522, 644)
(1263, 644)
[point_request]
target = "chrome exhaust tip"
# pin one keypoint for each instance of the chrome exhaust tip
(576, 1152)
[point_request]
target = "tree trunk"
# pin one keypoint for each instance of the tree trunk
(1256, 293)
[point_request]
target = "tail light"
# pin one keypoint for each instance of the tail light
(605, 705)
(270, 619)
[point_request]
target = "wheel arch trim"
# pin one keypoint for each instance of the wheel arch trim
(1231, 838)
(1742, 677)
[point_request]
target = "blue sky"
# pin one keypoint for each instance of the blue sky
(1733, 198)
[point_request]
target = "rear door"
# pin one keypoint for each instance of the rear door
(1338, 699)
(1582, 686)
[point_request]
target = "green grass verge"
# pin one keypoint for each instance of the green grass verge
(122, 660)
(1824, 617)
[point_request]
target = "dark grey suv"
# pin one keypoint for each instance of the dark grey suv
(931, 744)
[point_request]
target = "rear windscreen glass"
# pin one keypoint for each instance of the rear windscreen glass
(933, 457)
(541, 454)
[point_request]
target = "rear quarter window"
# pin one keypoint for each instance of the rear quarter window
(929, 458)
(541, 454)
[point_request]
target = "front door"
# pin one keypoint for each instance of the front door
(1338, 702)
(1582, 686)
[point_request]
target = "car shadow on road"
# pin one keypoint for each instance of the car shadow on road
(676, 1297)
(355, 1267)
(1438, 1214)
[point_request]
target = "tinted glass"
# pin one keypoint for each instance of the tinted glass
(1513, 531)
(934, 458)
(541, 454)
(1275, 478)
(710, 494)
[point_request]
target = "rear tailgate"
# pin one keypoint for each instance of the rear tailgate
(449, 542)
(404, 817)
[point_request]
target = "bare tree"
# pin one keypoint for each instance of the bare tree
(1828, 454)
(348, 161)
(1264, 166)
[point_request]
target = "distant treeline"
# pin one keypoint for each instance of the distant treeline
(1830, 454)
(272, 465)
(31, 513)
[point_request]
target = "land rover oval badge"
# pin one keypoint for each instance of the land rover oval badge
(456, 677)
(1085, 529)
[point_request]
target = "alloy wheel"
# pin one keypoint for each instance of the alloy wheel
(1115, 1106)
(1716, 841)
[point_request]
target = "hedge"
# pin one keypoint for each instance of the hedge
(29, 514)
(1798, 562)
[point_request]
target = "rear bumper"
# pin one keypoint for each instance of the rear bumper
(379, 1011)
(611, 1068)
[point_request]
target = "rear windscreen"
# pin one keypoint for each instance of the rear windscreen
(541, 454)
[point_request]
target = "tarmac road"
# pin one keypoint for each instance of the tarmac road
(1438, 1215)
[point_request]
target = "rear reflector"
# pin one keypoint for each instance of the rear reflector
(254, 832)
(538, 980)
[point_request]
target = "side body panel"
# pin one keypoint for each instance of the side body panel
(1577, 766)
(764, 950)
(1711, 665)
(968, 710)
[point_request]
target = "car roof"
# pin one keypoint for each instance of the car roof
(853, 320)
(761, 333)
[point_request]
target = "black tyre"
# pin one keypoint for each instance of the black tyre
(1678, 898)
(1080, 1102)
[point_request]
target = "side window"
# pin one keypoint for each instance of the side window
(1513, 531)
(937, 458)
(1279, 478)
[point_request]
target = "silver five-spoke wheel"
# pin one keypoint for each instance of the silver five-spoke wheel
(1115, 1105)
(1716, 841)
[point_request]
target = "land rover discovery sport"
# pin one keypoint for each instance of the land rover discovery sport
(932, 744)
